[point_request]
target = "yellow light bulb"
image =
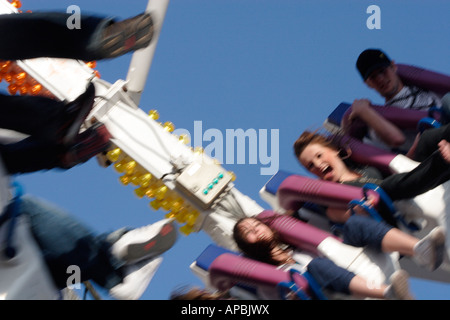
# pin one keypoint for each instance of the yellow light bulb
(136, 176)
(186, 229)
(181, 216)
(192, 217)
(150, 192)
(140, 192)
(177, 205)
(144, 180)
(169, 126)
(161, 192)
(233, 176)
(165, 204)
(153, 114)
(130, 166)
(198, 150)
(169, 215)
(183, 138)
(155, 204)
(125, 179)
(120, 166)
(114, 154)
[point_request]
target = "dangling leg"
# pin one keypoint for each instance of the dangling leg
(46, 34)
(44, 118)
(429, 141)
(361, 231)
(64, 242)
(430, 173)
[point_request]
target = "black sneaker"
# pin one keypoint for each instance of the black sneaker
(87, 144)
(74, 115)
(127, 35)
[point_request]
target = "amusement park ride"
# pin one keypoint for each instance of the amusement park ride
(197, 191)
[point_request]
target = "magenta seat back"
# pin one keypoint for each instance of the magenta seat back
(423, 78)
(296, 189)
(296, 232)
(229, 269)
(366, 154)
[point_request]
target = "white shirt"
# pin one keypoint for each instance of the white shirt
(409, 97)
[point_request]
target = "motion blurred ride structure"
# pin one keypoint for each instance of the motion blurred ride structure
(180, 180)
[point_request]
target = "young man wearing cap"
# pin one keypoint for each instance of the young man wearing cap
(380, 74)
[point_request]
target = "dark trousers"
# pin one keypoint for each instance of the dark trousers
(429, 140)
(432, 171)
(38, 117)
(31, 35)
(45, 34)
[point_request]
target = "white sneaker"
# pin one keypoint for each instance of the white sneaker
(136, 279)
(399, 288)
(145, 242)
(429, 251)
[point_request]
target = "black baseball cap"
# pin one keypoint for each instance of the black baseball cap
(371, 59)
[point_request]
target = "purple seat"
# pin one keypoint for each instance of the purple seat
(403, 118)
(423, 78)
(296, 232)
(366, 154)
(296, 189)
(229, 269)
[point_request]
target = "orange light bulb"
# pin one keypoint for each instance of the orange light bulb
(12, 89)
(23, 90)
(20, 78)
(35, 89)
(91, 64)
(5, 66)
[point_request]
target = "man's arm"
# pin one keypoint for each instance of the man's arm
(385, 130)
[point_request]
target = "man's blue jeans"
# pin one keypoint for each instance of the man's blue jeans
(64, 241)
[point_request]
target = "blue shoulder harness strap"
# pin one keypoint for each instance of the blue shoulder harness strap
(11, 212)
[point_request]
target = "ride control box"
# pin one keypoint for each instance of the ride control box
(202, 182)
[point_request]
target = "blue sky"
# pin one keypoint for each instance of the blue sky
(249, 64)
